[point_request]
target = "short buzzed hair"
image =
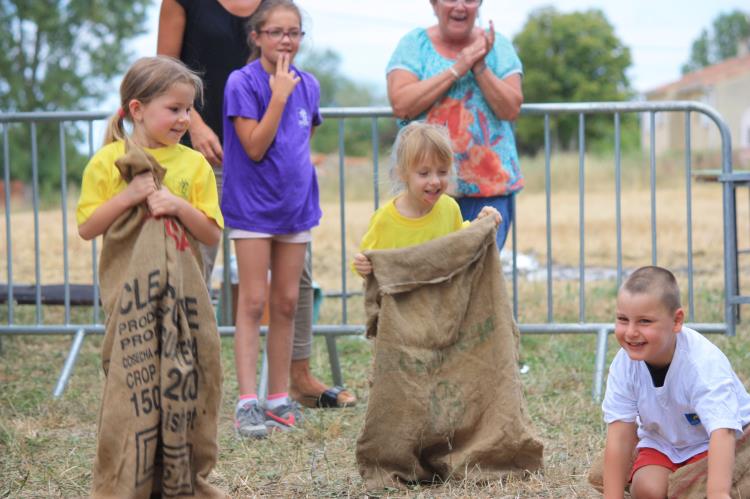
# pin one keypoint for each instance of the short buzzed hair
(655, 280)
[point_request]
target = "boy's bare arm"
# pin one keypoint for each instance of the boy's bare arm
(618, 454)
(99, 221)
(164, 203)
(720, 463)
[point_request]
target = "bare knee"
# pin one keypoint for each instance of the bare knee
(651, 487)
(250, 307)
(284, 305)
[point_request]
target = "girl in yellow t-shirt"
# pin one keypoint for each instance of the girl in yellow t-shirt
(156, 95)
(420, 213)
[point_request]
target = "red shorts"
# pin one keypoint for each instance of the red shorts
(647, 457)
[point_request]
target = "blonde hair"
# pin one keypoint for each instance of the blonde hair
(657, 281)
(147, 79)
(419, 143)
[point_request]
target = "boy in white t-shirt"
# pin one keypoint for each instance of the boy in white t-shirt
(672, 397)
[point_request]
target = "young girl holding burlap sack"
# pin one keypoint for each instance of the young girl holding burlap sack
(152, 199)
(446, 399)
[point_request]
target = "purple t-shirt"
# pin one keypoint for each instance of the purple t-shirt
(279, 193)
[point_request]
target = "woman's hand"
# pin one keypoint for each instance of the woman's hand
(471, 54)
(489, 39)
(490, 211)
(362, 265)
(505, 96)
(205, 141)
(283, 82)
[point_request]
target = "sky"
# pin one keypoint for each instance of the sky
(659, 33)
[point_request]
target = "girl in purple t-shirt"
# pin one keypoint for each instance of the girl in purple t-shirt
(270, 203)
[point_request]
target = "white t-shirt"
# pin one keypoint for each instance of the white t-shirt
(701, 393)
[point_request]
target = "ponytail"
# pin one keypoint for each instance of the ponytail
(115, 128)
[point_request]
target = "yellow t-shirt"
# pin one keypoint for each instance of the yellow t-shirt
(188, 175)
(389, 229)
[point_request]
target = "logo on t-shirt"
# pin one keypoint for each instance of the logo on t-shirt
(693, 419)
(303, 120)
(184, 186)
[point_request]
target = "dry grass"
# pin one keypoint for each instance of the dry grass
(47, 447)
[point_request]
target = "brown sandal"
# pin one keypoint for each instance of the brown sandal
(329, 399)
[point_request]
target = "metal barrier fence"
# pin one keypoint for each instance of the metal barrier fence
(729, 180)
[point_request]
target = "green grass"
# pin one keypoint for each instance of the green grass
(47, 446)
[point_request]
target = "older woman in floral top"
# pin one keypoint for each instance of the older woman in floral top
(468, 79)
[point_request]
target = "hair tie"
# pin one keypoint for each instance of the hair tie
(121, 113)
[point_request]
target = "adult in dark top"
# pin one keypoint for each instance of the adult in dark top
(199, 33)
(210, 37)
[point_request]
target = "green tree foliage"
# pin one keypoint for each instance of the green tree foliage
(575, 57)
(337, 90)
(721, 42)
(60, 55)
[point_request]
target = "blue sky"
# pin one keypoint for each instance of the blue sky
(365, 32)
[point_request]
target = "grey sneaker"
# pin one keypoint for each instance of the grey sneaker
(283, 418)
(249, 421)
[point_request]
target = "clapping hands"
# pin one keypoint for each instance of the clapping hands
(472, 56)
(489, 39)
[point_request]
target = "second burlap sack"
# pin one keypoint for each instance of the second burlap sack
(689, 482)
(446, 400)
(159, 409)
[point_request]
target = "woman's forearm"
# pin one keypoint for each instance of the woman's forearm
(503, 95)
(172, 21)
(410, 96)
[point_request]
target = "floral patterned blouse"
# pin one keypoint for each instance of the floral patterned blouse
(484, 146)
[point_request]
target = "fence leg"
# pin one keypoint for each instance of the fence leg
(225, 314)
(333, 359)
(70, 363)
(263, 384)
(601, 356)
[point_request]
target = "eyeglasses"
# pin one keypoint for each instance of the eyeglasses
(468, 3)
(278, 33)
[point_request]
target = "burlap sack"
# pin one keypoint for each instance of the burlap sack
(689, 482)
(158, 416)
(446, 399)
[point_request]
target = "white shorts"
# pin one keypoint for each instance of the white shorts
(303, 237)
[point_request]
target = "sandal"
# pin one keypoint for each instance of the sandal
(329, 399)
